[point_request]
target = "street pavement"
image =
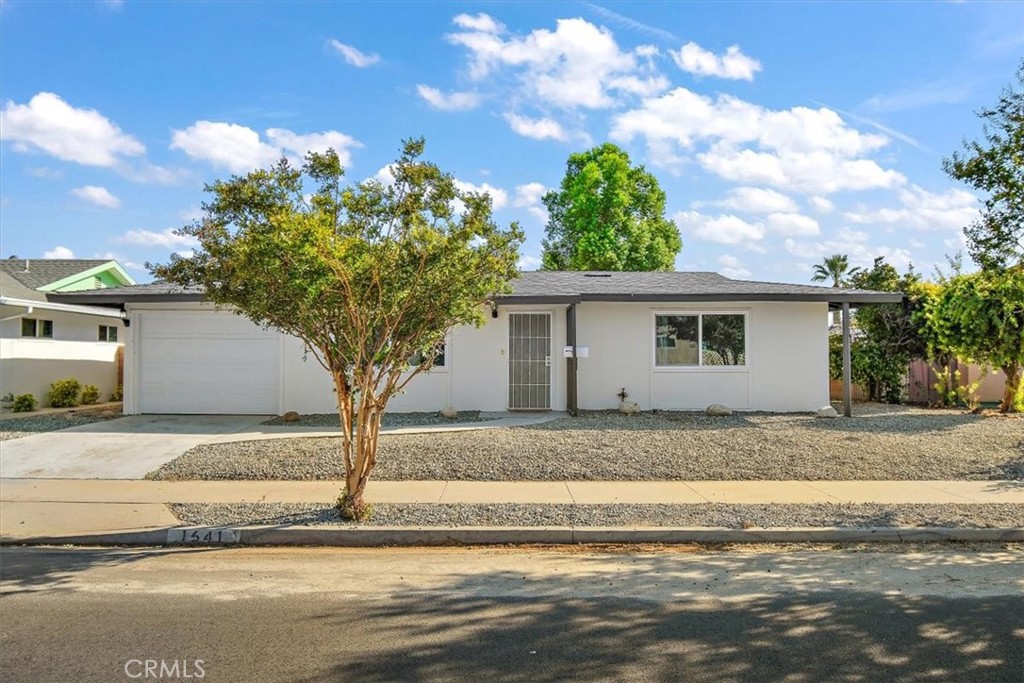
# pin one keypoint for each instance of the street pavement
(926, 613)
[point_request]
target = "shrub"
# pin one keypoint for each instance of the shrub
(64, 393)
(117, 394)
(8, 398)
(90, 394)
(24, 403)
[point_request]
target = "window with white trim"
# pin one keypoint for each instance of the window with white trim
(107, 333)
(31, 327)
(700, 339)
(439, 358)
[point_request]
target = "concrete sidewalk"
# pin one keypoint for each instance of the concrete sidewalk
(119, 511)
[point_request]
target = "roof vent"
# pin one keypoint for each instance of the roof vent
(597, 274)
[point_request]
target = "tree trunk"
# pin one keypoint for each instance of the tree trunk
(1012, 386)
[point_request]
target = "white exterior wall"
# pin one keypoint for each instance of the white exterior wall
(787, 361)
(29, 365)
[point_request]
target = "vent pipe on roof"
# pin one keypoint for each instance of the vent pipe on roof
(26, 265)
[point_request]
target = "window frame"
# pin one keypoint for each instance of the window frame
(103, 334)
(447, 359)
(700, 367)
(40, 326)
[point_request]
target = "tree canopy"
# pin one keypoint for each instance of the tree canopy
(366, 275)
(835, 268)
(608, 215)
(995, 165)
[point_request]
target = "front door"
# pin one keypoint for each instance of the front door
(529, 361)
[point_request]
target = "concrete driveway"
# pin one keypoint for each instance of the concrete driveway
(125, 448)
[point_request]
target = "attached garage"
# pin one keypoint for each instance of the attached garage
(205, 362)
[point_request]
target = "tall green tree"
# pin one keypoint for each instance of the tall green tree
(995, 165)
(835, 268)
(980, 317)
(366, 275)
(608, 215)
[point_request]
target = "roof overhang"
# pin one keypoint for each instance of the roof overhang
(833, 299)
(31, 305)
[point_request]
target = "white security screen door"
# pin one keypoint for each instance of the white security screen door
(529, 361)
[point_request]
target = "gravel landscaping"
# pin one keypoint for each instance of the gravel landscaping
(17, 427)
(389, 419)
(879, 442)
(691, 515)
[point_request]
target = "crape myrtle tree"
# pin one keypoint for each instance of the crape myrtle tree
(367, 275)
(608, 215)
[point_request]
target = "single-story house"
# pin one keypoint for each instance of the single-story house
(43, 340)
(558, 341)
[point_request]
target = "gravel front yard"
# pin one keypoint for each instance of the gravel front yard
(17, 427)
(701, 515)
(389, 420)
(880, 442)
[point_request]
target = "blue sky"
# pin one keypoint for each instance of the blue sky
(780, 132)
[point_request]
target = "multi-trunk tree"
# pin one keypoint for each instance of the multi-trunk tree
(367, 275)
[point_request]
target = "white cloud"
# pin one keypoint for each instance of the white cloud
(954, 209)
(733, 65)
(99, 196)
(59, 252)
(148, 238)
(453, 101)
(755, 200)
(538, 129)
(529, 263)
(44, 172)
(530, 196)
(724, 229)
(240, 149)
(921, 95)
(792, 224)
(801, 149)
(193, 213)
(731, 267)
(354, 56)
(576, 65)
(49, 124)
(821, 204)
(631, 23)
(499, 197)
(483, 23)
(853, 243)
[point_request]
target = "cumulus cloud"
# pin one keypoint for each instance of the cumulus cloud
(733, 65)
(100, 196)
(527, 262)
(51, 125)
(792, 224)
(499, 197)
(800, 149)
(821, 204)
(731, 267)
(59, 252)
(354, 56)
(538, 129)
(530, 196)
(855, 244)
(483, 23)
(724, 229)
(148, 238)
(954, 209)
(755, 200)
(453, 101)
(577, 65)
(240, 149)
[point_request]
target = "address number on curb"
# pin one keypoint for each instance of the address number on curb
(203, 534)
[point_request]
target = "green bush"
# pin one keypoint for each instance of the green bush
(117, 394)
(64, 393)
(25, 403)
(90, 394)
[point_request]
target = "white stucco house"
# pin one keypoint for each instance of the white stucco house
(560, 341)
(43, 340)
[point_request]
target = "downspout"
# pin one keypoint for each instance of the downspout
(571, 396)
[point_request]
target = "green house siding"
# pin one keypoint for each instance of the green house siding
(108, 275)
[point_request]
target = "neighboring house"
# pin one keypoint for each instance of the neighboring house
(43, 340)
(674, 341)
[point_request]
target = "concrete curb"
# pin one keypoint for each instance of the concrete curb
(438, 536)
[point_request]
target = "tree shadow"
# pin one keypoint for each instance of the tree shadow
(552, 630)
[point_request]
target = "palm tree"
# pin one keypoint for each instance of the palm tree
(836, 268)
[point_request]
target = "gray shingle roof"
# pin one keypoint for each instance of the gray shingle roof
(36, 273)
(10, 287)
(568, 286)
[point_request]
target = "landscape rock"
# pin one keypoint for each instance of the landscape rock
(827, 411)
(629, 408)
(291, 416)
(718, 410)
(449, 413)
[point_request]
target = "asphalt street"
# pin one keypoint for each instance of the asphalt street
(680, 614)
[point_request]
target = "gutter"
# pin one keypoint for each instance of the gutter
(30, 305)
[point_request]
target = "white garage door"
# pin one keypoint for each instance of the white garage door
(207, 362)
